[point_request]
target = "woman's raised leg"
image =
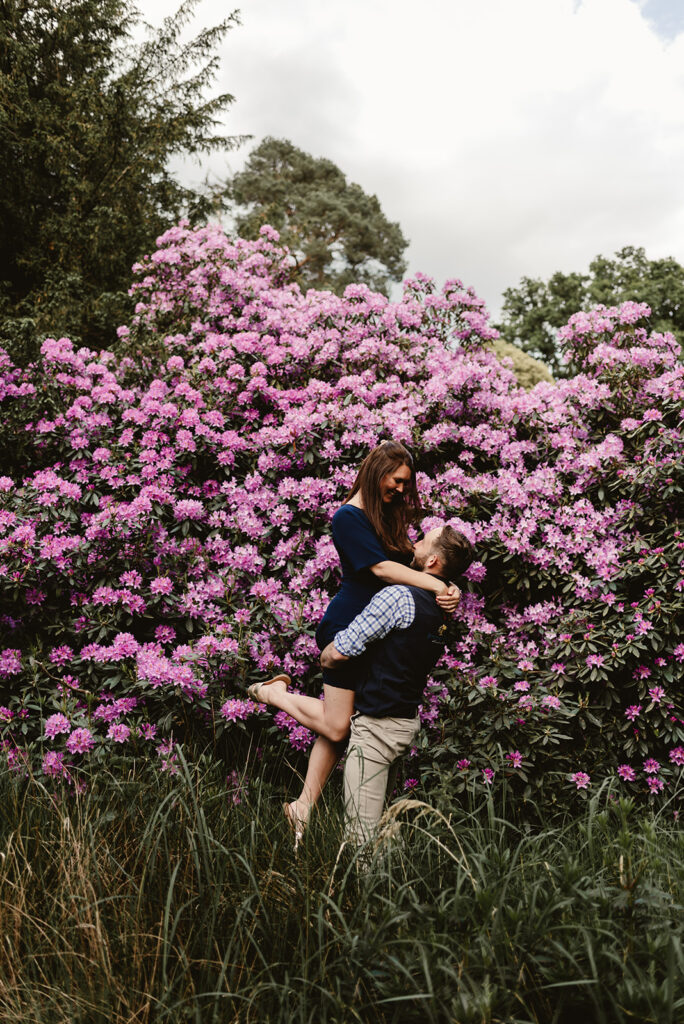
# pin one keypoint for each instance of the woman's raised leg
(329, 717)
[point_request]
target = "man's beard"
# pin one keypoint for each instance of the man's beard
(418, 563)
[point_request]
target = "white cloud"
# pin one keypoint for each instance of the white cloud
(506, 138)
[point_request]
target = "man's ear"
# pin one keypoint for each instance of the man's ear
(432, 562)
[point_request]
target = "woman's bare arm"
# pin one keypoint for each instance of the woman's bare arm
(448, 595)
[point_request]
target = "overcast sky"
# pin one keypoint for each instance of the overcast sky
(507, 137)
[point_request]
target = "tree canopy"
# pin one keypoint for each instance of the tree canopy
(533, 312)
(336, 232)
(88, 122)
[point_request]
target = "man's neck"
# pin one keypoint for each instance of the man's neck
(437, 575)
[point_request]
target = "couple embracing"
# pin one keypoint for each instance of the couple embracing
(380, 637)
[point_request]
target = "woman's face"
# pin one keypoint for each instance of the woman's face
(392, 484)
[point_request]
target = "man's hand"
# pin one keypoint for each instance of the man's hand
(331, 657)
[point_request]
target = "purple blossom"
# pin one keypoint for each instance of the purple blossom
(488, 683)
(161, 585)
(626, 772)
(61, 655)
(237, 710)
(80, 741)
(10, 662)
(165, 634)
(56, 724)
(188, 508)
(581, 780)
(53, 764)
(118, 732)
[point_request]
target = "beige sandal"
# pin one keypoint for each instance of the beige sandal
(254, 689)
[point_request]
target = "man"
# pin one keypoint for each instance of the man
(400, 635)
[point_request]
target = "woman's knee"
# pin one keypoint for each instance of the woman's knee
(338, 732)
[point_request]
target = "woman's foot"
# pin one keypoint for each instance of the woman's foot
(297, 817)
(259, 691)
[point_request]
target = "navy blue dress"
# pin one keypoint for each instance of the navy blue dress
(358, 547)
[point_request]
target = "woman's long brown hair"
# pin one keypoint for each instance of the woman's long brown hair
(390, 522)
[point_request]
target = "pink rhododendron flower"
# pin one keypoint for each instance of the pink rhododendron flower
(56, 724)
(161, 585)
(53, 764)
(80, 741)
(10, 662)
(118, 732)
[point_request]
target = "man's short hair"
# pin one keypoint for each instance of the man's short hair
(454, 551)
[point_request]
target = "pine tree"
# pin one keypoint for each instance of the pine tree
(337, 233)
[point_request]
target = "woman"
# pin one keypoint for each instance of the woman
(370, 534)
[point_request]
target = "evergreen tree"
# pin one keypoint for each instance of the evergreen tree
(88, 122)
(337, 233)
(533, 312)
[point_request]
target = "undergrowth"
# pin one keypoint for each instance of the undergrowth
(151, 899)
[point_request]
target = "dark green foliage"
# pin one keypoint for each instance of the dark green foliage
(338, 235)
(533, 312)
(88, 122)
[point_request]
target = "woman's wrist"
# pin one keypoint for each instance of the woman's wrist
(438, 586)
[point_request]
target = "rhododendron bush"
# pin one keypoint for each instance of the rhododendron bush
(165, 525)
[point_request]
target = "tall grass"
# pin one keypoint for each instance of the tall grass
(148, 901)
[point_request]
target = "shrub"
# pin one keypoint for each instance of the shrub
(165, 522)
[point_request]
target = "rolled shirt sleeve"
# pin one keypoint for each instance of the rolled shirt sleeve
(391, 608)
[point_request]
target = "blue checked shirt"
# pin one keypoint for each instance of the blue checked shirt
(392, 608)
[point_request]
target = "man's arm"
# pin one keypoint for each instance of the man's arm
(391, 608)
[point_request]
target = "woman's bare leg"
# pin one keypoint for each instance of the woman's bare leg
(329, 718)
(323, 757)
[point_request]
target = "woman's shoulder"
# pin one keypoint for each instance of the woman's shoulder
(349, 511)
(349, 508)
